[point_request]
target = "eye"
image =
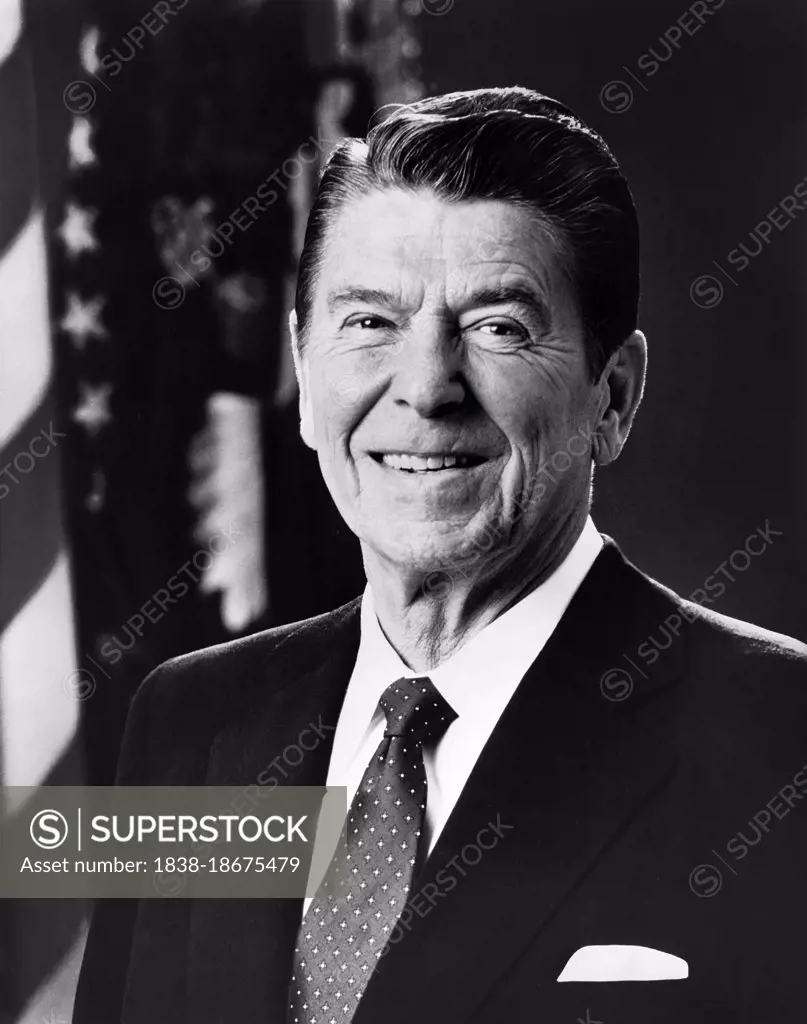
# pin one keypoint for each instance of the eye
(502, 329)
(367, 322)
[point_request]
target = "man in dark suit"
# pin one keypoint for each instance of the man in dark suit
(575, 796)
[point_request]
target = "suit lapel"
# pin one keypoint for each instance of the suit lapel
(240, 950)
(572, 759)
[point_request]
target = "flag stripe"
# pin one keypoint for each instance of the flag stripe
(31, 538)
(53, 1003)
(25, 344)
(40, 712)
(17, 117)
(10, 26)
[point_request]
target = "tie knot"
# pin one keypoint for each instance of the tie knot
(415, 708)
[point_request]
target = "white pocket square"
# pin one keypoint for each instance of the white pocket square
(623, 963)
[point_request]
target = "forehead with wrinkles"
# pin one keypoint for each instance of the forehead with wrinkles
(416, 247)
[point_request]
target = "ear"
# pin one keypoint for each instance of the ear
(622, 385)
(301, 371)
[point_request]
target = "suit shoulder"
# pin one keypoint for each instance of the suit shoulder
(211, 673)
(745, 698)
(183, 703)
(745, 640)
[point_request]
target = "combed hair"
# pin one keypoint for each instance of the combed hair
(509, 144)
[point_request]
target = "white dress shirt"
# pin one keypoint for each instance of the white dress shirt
(478, 680)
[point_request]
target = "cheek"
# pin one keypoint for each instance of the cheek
(544, 428)
(344, 383)
(531, 425)
(340, 401)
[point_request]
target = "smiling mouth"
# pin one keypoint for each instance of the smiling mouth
(409, 462)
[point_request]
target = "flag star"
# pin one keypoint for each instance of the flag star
(79, 144)
(92, 412)
(82, 319)
(88, 50)
(76, 230)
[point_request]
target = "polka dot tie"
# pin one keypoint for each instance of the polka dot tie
(361, 898)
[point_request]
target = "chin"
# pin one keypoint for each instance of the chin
(425, 549)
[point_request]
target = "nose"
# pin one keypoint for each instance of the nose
(428, 374)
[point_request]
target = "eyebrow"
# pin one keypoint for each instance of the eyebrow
(359, 296)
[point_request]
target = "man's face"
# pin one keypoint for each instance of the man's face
(444, 382)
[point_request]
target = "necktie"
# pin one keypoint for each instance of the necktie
(343, 935)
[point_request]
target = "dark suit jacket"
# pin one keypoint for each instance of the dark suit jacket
(610, 792)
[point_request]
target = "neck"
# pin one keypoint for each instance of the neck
(428, 617)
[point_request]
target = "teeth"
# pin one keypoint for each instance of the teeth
(420, 463)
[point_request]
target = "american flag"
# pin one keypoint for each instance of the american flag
(40, 941)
